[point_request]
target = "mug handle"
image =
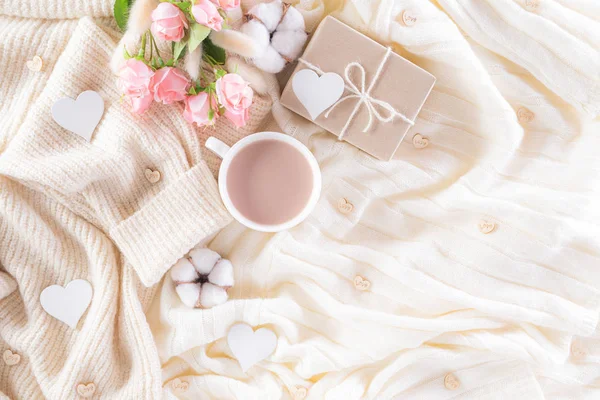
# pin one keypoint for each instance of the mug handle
(217, 146)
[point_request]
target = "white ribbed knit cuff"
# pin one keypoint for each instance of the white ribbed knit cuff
(179, 217)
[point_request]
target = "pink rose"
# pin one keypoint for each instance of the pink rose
(139, 105)
(134, 78)
(227, 4)
(168, 22)
(206, 13)
(169, 85)
(235, 95)
(238, 120)
(134, 81)
(197, 108)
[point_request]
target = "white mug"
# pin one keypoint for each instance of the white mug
(228, 154)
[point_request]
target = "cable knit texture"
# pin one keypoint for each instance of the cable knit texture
(70, 209)
(449, 310)
(511, 314)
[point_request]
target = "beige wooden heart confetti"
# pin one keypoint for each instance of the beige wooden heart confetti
(486, 226)
(11, 358)
(451, 382)
(525, 115)
(179, 386)
(344, 206)
(298, 392)
(409, 18)
(419, 141)
(35, 64)
(152, 176)
(361, 283)
(86, 391)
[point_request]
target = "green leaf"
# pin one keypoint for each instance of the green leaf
(214, 51)
(211, 114)
(179, 49)
(121, 12)
(126, 54)
(184, 5)
(220, 73)
(192, 91)
(197, 34)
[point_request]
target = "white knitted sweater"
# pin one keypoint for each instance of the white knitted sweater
(76, 210)
(513, 131)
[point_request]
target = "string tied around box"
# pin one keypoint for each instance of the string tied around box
(363, 95)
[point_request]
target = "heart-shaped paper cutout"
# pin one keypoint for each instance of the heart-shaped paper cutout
(79, 116)
(250, 347)
(86, 391)
(11, 358)
(69, 303)
(317, 93)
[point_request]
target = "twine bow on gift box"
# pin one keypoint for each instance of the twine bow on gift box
(363, 96)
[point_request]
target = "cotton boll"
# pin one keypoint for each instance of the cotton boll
(259, 34)
(222, 274)
(204, 260)
(289, 43)
(269, 13)
(183, 271)
(271, 61)
(189, 293)
(292, 20)
(212, 295)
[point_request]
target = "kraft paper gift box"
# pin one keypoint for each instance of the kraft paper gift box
(327, 88)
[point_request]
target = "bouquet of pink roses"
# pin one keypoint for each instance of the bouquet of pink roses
(147, 76)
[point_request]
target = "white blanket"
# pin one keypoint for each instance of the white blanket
(514, 136)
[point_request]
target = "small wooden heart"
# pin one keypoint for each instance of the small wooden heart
(298, 392)
(409, 18)
(11, 358)
(532, 4)
(525, 115)
(35, 64)
(486, 226)
(361, 283)
(179, 386)
(345, 206)
(451, 382)
(152, 176)
(86, 391)
(419, 141)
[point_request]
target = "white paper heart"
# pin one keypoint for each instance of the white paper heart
(317, 93)
(79, 116)
(69, 303)
(250, 347)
